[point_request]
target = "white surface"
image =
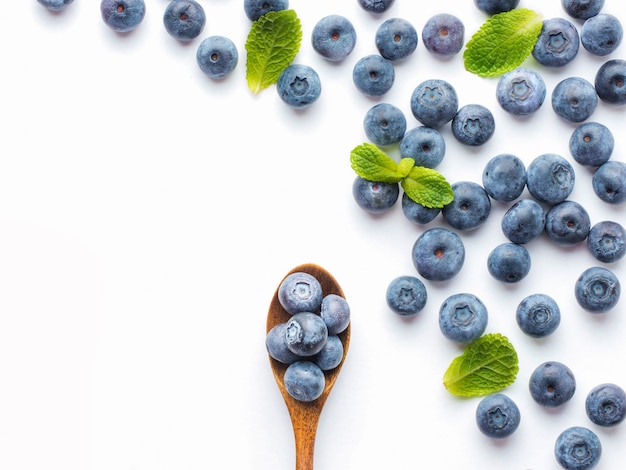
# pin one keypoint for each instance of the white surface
(148, 213)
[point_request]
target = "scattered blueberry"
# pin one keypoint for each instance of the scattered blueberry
(552, 384)
(577, 448)
(122, 16)
(601, 34)
(443, 35)
(610, 82)
(463, 318)
(184, 19)
(384, 124)
(276, 344)
(299, 86)
(438, 254)
(396, 39)
(521, 91)
(418, 213)
(504, 177)
(493, 7)
(473, 124)
(591, 144)
(335, 311)
(434, 103)
(606, 404)
(330, 355)
(373, 196)
(304, 380)
(538, 315)
(300, 292)
(217, 56)
(582, 9)
(558, 43)
(497, 416)
(574, 99)
(550, 178)
(306, 333)
(607, 241)
(470, 207)
(406, 295)
(334, 37)
(254, 9)
(609, 182)
(373, 75)
(425, 145)
(376, 6)
(55, 5)
(597, 289)
(567, 223)
(523, 221)
(509, 262)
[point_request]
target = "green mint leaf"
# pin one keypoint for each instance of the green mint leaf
(487, 365)
(427, 187)
(272, 43)
(371, 163)
(502, 43)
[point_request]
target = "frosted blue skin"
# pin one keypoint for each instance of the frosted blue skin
(609, 182)
(331, 354)
(384, 124)
(463, 318)
(521, 92)
(304, 380)
(574, 99)
(434, 102)
(567, 223)
(605, 405)
(550, 178)
(509, 262)
(591, 144)
(438, 254)
(504, 177)
(276, 345)
(473, 125)
(552, 384)
(306, 334)
(55, 5)
(597, 289)
(335, 311)
(538, 315)
(602, 34)
(376, 6)
(610, 82)
(578, 448)
(299, 86)
(417, 213)
(254, 9)
(497, 416)
(300, 292)
(607, 241)
(492, 7)
(396, 39)
(373, 75)
(217, 56)
(184, 19)
(558, 43)
(406, 295)
(582, 9)
(523, 221)
(470, 207)
(443, 35)
(423, 144)
(122, 16)
(333, 37)
(375, 197)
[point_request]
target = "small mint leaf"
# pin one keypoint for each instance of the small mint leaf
(272, 44)
(371, 163)
(427, 187)
(503, 42)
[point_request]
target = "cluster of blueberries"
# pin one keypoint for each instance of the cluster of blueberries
(309, 341)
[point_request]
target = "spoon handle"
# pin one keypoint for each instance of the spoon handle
(305, 429)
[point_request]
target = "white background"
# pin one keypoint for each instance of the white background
(148, 213)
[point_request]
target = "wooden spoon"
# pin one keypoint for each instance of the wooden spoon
(305, 415)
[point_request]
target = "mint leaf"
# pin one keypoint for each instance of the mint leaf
(503, 42)
(371, 163)
(272, 44)
(487, 365)
(427, 187)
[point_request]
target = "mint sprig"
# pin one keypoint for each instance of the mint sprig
(503, 42)
(423, 185)
(487, 365)
(272, 44)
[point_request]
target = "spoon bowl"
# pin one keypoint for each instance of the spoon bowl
(305, 415)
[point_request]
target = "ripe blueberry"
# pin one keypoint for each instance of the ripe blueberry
(122, 16)
(538, 315)
(184, 19)
(373, 75)
(606, 404)
(217, 56)
(406, 295)
(607, 241)
(333, 37)
(299, 86)
(509, 262)
(434, 102)
(375, 197)
(443, 35)
(254, 9)
(597, 289)
(577, 448)
(552, 384)
(473, 124)
(463, 317)
(396, 39)
(497, 416)
(438, 254)
(557, 44)
(504, 177)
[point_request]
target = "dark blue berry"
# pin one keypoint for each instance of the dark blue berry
(122, 16)
(577, 448)
(299, 86)
(331, 354)
(497, 416)
(184, 19)
(418, 213)
(406, 295)
(463, 317)
(334, 37)
(443, 35)
(254, 9)
(335, 311)
(473, 124)
(376, 6)
(521, 91)
(509, 262)
(217, 56)
(609, 182)
(300, 292)
(434, 103)
(470, 207)
(493, 7)
(610, 82)
(396, 39)
(276, 345)
(306, 333)
(597, 289)
(55, 5)
(574, 99)
(582, 9)
(438, 254)
(601, 34)
(425, 145)
(552, 384)
(384, 124)
(375, 197)
(373, 75)
(606, 404)
(538, 315)
(304, 380)
(523, 221)
(607, 241)
(504, 177)
(557, 44)
(550, 178)
(567, 223)
(591, 144)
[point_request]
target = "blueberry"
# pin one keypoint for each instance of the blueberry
(396, 39)
(122, 16)
(375, 197)
(276, 344)
(610, 82)
(538, 315)
(184, 19)
(438, 254)
(417, 213)
(406, 295)
(299, 86)
(552, 384)
(463, 317)
(304, 381)
(333, 37)
(523, 221)
(591, 144)
(497, 416)
(306, 333)
(509, 262)
(335, 311)
(384, 124)
(582, 9)
(550, 178)
(217, 56)
(606, 404)
(504, 177)
(492, 7)
(607, 241)
(601, 34)
(331, 354)
(55, 5)
(597, 289)
(470, 207)
(521, 91)
(425, 145)
(609, 182)
(373, 75)
(434, 102)
(376, 6)
(558, 43)
(254, 9)
(300, 292)
(567, 223)
(473, 124)
(443, 35)
(577, 448)
(574, 99)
